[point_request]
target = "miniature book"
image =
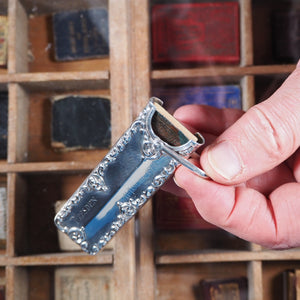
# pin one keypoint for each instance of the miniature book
(225, 289)
(3, 124)
(83, 283)
(177, 213)
(221, 96)
(81, 34)
(80, 122)
(185, 32)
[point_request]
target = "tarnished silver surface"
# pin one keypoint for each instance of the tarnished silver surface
(133, 170)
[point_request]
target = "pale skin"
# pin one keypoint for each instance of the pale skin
(253, 159)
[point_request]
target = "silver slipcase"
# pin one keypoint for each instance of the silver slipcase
(133, 170)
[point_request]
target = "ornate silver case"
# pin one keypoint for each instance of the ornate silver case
(133, 170)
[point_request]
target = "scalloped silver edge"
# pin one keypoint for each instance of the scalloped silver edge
(152, 148)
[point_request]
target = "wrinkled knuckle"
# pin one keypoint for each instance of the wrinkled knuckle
(279, 244)
(274, 136)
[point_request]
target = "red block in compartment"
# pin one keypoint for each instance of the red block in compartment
(177, 213)
(196, 32)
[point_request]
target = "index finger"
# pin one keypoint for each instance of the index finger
(207, 118)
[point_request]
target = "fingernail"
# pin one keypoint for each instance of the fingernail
(298, 64)
(174, 179)
(224, 159)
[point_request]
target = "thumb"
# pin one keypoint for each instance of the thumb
(266, 135)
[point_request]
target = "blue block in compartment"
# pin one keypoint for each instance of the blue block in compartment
(222, 96)
(81, 34)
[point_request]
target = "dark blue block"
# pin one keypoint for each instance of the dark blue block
(81, 34)
(81, 122)
(3, 124)
(223, 96)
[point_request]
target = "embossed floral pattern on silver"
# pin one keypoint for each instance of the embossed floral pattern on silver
(132, 171)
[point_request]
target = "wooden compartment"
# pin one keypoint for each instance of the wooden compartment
(273, 278)
(263, 29)
(34, 204)
(39, 129)
(37, 205)
(191, 241)
(33, 141)
(144, 263)
(35, 51)
(183, 281)
(39, 282)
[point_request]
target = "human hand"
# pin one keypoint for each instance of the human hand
(253, 159)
